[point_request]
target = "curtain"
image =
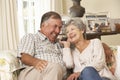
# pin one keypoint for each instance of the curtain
(43, 6)
(49, 5)
(57, 5)
(8, 25)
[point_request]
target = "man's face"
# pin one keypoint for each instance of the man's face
(51, 28)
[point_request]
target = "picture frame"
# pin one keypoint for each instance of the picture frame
(96, 22)
(62, 34)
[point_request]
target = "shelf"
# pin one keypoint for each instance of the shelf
(99, 34)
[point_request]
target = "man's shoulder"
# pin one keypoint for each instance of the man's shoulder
(28, 35)
(32, 34)
(35, 36)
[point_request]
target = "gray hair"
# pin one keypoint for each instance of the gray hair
(48, 15)
(78, 23)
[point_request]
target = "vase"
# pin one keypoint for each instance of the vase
(76, 10)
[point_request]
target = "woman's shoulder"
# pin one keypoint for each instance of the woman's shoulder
(96, 40)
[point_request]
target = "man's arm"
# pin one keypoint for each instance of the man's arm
(31, 61)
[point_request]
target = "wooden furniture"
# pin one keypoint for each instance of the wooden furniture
(98, 34)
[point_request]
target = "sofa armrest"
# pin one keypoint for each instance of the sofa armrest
(8, 62)
(8, 65)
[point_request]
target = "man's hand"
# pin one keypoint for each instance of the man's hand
(31, 61)
(41, 65)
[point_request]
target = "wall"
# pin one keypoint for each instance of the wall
(111, 39)
(95, 6)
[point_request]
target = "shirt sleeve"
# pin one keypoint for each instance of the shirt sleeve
(67, 57)
(98, 58)
(26, 45)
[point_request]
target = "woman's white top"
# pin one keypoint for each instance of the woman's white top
(93, 55)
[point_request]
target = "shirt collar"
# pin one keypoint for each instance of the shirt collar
(41, 35)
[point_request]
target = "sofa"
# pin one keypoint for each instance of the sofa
(113, 59)
(10, 65)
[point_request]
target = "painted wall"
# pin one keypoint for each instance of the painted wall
(111, 39)
(95, 6)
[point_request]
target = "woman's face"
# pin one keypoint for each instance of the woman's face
(73, 33)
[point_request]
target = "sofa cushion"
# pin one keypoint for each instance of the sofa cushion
(110, 57)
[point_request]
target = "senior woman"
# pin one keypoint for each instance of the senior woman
(86, 57)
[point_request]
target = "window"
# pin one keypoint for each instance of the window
(27, 16)
(30, 12)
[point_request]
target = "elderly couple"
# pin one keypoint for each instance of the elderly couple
(43, 57)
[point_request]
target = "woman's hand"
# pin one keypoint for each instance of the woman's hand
(74, 76)
(66, 44)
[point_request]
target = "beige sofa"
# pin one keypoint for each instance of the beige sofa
(113, 59)
(9, 64)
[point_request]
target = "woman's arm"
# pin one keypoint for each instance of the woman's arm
(67, 57)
